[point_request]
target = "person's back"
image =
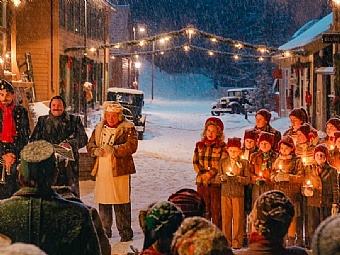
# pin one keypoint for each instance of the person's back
(36, 214)
(54, 224)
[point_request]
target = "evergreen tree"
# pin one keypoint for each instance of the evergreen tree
(263, 93)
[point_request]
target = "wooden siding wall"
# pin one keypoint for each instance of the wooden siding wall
(34, 36)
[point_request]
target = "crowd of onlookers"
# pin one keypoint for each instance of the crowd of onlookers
(263, 193)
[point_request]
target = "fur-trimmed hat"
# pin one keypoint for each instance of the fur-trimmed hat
(272, 214)
(214, 121)
(6, 85)
(307, 131)
(196, 235)
(266, 136)
(265, 113)
(250, 134)
(299, 113)
(335, 122)
(287, 140)
(234, 142)
(321, 148)
(112, 106)
(37, 160)
(189, 201)
(326, 239)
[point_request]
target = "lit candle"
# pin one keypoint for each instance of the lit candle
(308, 182)
(260, 174)
(332, 147)
(230, 170)
(304, 161)
(242, 156)
(280, 167)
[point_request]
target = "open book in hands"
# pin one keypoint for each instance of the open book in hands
(64, 152)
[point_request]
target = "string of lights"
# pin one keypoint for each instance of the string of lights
(189, 32)
(188, 47)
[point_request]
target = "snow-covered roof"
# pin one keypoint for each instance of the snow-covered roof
(310, 34)
(124, 90)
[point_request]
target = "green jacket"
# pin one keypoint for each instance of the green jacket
(56, 225)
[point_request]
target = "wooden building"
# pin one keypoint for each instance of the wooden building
(306, 73)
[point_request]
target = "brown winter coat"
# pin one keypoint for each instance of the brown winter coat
(124, 145)
(294, 168)
(277, 134)
(233, 186)
(206, 159)
(334, 158)
(325, 185)
(254, 170)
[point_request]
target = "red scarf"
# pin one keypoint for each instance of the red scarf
(255, 237)
(8, 127)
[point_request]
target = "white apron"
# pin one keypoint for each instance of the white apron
(109, 189)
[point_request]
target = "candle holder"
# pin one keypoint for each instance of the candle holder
(260, 180)
(230, 172)
(308, 189)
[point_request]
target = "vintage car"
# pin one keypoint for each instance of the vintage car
(133, 101)
(239, 101)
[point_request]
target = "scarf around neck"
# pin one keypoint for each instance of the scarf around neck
(8, 127)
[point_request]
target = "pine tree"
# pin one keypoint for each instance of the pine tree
(263, 93)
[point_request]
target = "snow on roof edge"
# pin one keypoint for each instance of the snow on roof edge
(310, 34)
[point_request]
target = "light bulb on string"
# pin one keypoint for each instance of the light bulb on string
(210, 53)
(186, 47)
(213, 39)
(238, 45)
(236, 57)
(261, 58)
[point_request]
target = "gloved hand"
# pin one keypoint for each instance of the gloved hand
(98, 152)
(335, 209)
(281, 177)
(205, 178)
(108, 149)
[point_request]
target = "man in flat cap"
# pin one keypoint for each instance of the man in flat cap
(37, 215)
(113, 142)
(14, 134)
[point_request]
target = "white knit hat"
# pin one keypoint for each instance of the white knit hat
(112, 106)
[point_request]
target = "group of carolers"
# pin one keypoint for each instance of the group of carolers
(230, 176)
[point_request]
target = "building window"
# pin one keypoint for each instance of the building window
(70, 16)
(62, 13)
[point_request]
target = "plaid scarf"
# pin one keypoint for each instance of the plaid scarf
(8, 127)
(266, 162)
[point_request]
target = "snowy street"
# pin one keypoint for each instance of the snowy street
(164, 158)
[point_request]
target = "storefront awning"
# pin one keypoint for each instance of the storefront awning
(325, 70)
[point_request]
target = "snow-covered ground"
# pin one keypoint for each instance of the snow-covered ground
(164, 158)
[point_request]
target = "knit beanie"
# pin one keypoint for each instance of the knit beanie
(266, 136)
(336, 135)
(335, 122)
(250, 134)
(287, 140)
(299, 113)
(189, 201)
(234, 142)
(214, 121)
(326, 239)
(272, 214)
(307, 131)
(197, 235)
(161, 221)
(321, 148)
(265, 113)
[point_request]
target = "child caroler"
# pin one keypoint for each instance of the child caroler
(234, 175)
(287, 175)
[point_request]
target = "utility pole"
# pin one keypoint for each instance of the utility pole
(153, 68)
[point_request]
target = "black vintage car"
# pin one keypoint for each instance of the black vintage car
(133, 101)
(237, 101)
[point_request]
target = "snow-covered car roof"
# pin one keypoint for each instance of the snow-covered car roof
(124, 90)
(239, 89)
